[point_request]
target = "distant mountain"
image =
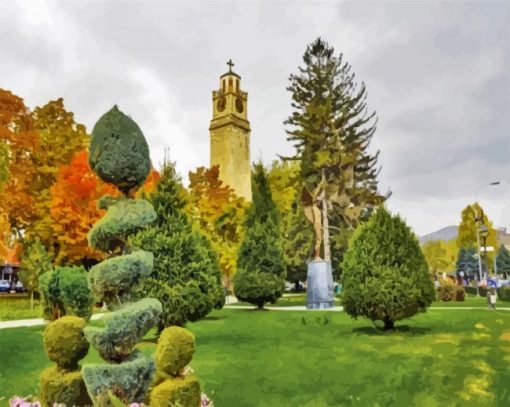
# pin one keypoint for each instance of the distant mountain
(450, 232)
(446, 233)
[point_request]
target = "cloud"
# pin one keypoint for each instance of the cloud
(436, 72)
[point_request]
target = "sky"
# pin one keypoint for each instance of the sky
(437, 74)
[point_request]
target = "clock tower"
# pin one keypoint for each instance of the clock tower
(230, 134)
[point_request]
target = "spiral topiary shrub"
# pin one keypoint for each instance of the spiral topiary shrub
(119, 155)
(172, 385)
(64, 344)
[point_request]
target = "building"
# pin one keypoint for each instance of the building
(230, 134)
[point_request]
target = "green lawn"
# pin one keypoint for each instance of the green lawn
(267, 358)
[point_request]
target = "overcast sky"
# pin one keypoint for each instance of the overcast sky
(438, 75)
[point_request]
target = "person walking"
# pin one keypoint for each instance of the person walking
(491, 298)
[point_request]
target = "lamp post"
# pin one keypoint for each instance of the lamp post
(477, 218)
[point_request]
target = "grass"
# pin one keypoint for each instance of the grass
(18, 307)
(251, 358)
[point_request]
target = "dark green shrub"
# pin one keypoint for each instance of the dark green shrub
(261, 272)
(504, 293)
(119, 153)
(123, 329)
(470, 290)
(128, 380)
(385, 276)
(113, 279)
(66, 291)
(186, 278)
(123, 218)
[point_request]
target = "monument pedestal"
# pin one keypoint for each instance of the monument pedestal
(319, 285)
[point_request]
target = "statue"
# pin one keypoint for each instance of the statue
(319, 292)
(310, 201)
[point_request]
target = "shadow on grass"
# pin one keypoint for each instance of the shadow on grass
(374, 331)
(213, 318)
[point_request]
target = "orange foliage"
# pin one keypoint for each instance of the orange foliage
(17, 131)
(74, 207)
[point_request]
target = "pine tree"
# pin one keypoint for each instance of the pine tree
(331, 131)
(260, 275)
(503, 260)
(186, 278)
(385, 275)
(466, 261)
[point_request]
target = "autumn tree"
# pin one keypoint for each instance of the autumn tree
(468, 228)
(440, 255)
(20, 140)
(74, 209)
(331, 129)
(219, 214)
(74, 197)
(61, 137)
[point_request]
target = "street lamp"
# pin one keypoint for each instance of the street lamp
(477, 218)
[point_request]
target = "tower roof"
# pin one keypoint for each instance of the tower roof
(230, 71)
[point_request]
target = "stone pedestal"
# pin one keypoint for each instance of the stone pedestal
(319, 285)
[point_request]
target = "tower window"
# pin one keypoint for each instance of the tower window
(223, 85)
(237, 84)
(230, 84)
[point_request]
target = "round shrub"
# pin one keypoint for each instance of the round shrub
(64, 341)
(175, 350)
(63, 387)
(385, 275)
(180, 391)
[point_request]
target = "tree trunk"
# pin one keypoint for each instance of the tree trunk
(260, 305)
(325, 221)
(388, 324)
(296, 285)
(32, 300)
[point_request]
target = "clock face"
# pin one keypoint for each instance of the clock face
(239, 105)
(221, 104)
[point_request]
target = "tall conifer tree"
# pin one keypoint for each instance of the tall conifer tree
(260, 277)
(331, 131)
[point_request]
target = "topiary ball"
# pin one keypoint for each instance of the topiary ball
(119, 153)
(175, 350)
(63, 387)
(65, 343)
(178, 391)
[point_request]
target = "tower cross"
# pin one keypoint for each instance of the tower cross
(230, 65)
